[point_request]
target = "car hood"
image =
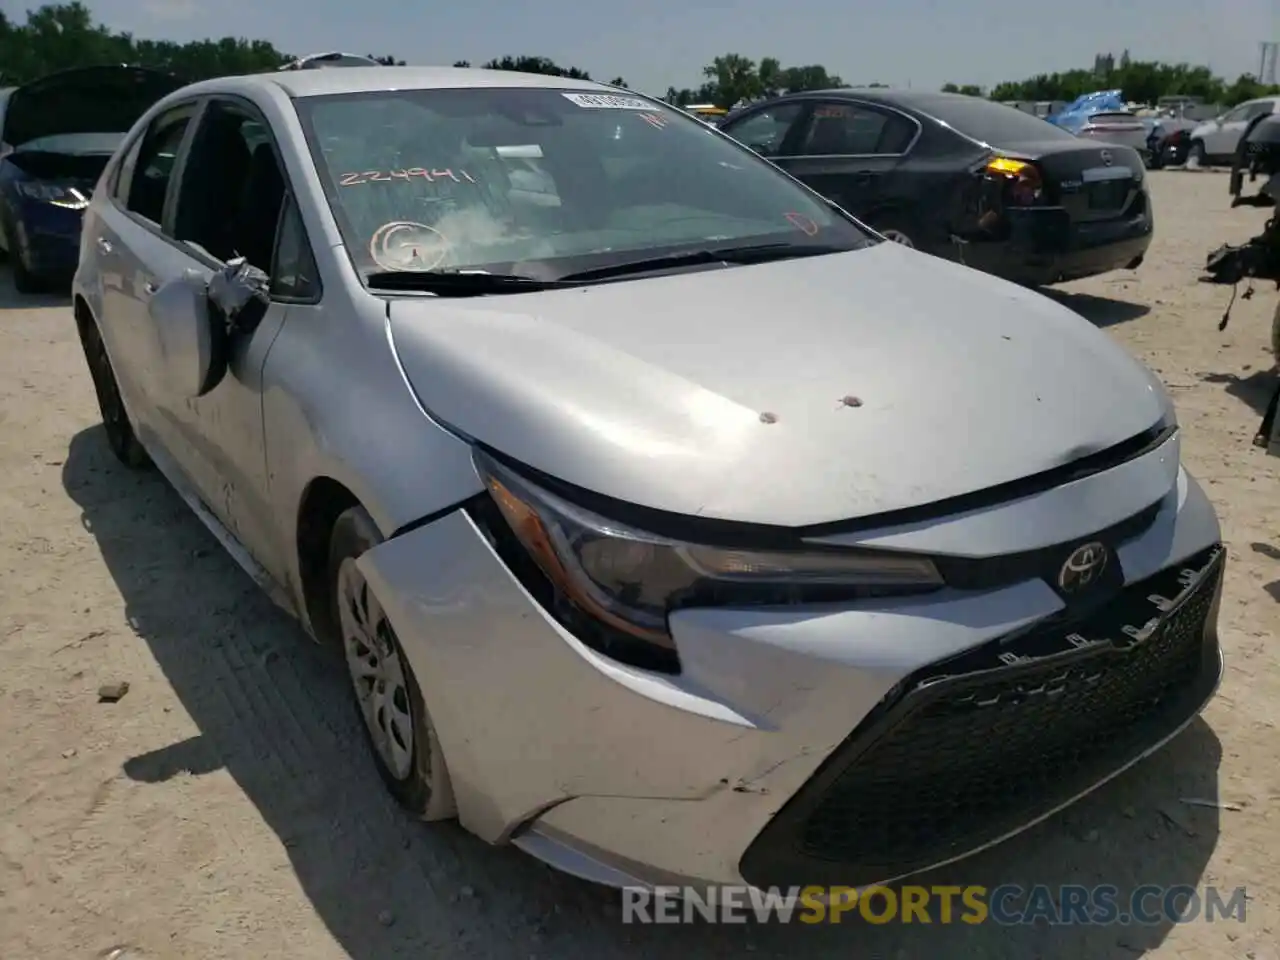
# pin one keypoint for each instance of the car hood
(107, 99)
(790, 393)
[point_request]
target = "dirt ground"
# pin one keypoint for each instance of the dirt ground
(225, 808)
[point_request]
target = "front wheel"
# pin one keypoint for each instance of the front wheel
(1196, 155)
(1275, 335)
(406, 750)
(115, 420)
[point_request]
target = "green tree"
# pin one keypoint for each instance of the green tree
(734, 78)
(1142, 81)
(62, 36)
(541, 65)
(811, 77)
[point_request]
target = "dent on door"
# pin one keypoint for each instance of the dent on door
(214, 332)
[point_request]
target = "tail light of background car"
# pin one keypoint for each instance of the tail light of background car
(1024, 187)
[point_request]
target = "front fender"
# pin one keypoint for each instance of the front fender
(336, 405)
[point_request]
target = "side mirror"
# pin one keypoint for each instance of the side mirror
(197, 322)
(194, 348)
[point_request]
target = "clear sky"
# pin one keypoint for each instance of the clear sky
(657, 43)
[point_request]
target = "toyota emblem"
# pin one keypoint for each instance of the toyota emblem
(1083, 567)
(1106, 158)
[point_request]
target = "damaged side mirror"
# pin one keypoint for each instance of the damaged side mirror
(198, 321)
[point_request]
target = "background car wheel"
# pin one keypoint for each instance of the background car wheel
(386, 693)
(898, 228)
(1196, 155)
(1275, 335)
(24, 281)
(120, 436)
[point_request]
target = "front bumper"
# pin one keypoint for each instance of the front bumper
(741, 766)
(1046, 246)
(49, 238)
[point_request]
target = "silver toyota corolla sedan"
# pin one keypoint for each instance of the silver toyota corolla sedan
(674, 526)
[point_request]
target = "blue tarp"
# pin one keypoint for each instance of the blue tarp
(1086, 105)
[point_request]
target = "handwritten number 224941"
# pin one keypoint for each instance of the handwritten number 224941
(385, 176)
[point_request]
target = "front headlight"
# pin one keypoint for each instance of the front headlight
(613, 585)
(72, 198)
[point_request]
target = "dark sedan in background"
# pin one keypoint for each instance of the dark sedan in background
(1169, 141)
(962, 177)
(56, 136)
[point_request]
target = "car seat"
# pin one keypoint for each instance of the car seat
(253, 227)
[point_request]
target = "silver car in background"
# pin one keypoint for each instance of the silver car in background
(671, 524)
(1119, 127)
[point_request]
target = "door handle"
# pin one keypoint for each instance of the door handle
(104, 245)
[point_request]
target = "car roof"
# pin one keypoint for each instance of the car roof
(911, 99)
(317, 83)
(921, 101)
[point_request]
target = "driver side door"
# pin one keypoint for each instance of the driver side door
(231, 198)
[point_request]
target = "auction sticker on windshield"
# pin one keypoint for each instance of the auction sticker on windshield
(607, 101)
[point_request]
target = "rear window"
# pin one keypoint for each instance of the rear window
(992, 123)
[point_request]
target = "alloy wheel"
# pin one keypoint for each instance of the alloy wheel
(104, 384)
(897, 236)
(377, 672)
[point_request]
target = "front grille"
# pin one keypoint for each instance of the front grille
(988, 573)
(973, 748)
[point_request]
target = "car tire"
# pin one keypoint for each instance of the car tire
(115, 419)
(898, 228)
(1196, 156)
(384, 690)
(1275, 335)
(24, 280)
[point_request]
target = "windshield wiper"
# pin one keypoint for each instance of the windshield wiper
(754, 253)
(456, 283)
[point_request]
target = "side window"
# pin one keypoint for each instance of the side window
(232, 189)
(1259, 109)
(146, 173)
(293, 272)
(851, 129)
(1238, 113)
(766, 131)
(123, 175)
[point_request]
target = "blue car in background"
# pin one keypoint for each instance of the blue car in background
(56, 136)
(1075, 114)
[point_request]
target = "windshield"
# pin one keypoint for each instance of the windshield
(993, 123)
(546, 183)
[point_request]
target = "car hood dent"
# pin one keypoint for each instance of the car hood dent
(103, 99)
(791, 393)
